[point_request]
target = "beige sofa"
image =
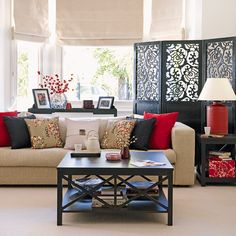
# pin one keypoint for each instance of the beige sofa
(38, 166)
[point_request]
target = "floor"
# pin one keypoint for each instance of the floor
(198, 210)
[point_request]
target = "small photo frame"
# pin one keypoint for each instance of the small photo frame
(88, 104)
(105, 102)
(41, 98)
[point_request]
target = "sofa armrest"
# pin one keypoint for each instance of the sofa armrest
(183, 143)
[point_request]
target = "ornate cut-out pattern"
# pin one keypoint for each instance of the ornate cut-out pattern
(220, 59)
(182, 72)
(148, 72)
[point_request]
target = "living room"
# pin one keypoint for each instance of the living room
(150, 87)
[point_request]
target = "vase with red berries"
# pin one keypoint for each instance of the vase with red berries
(57, 88)
(58, 101)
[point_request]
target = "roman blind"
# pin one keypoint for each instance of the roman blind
(31, 19)
(166, 20)
(100, 22)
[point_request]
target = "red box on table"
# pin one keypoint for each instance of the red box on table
(219, 168)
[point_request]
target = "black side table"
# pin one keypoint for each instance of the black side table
(205, 144)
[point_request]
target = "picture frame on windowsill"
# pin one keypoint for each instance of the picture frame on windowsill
(41, 98)
(105, 102)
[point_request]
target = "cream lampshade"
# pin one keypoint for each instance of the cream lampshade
(217, 90)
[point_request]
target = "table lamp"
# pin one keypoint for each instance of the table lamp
(217, 90)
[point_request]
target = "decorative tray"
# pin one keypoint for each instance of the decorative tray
(85, 154)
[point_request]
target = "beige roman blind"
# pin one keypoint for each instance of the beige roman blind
(166, 19)
(31, 19)
(100, 22)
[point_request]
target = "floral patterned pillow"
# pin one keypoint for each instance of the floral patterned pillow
(44, 133)
(117, 134)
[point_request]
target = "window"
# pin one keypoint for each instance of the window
(99, 71)
(28, 62)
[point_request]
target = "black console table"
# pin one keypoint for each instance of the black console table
(95, 111)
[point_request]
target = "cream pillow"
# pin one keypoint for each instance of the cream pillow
(77, 131)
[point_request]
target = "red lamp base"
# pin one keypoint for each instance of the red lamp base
(217, 118)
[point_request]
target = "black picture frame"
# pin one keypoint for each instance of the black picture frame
(41, 98)
(105, 102)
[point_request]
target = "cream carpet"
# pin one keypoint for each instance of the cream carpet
(198, 210)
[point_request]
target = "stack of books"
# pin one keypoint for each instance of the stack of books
(141, 185)
(107, 195)
(224, 156)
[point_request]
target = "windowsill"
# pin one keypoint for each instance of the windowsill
(124, 107)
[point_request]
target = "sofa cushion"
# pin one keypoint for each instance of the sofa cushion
(161, 134)
(101, 129)
(142, 132)
(18, 131)
(48, 157)
(78, 130)
(117, 133)
(4, 136)
(44, 133)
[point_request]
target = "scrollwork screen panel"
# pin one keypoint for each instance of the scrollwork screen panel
(220, 63)
(182, 71)
(220, 59)
(148, 71)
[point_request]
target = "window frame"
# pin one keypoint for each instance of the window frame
(14, 66)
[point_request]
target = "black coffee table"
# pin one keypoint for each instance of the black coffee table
(115, 174)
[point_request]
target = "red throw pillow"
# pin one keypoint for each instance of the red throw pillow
(161, 134)
(4, 136)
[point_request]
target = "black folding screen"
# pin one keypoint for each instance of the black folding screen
(181, 80)
(169, 76)
(219, 61)
(148, 77)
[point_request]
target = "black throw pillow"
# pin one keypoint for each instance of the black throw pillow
(18, 131)
(142, 132)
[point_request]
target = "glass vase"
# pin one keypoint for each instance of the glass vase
(58, 101)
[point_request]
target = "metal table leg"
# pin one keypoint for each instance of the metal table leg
(59, 198)
(170, 198)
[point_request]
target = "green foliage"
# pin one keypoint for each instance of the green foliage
(23, 70)
(112, 69)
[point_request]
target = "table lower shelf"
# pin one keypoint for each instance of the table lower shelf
(215, 179)
(85, 205)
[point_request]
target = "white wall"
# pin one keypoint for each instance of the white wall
(5, 53)
(205, 19)
(218, 18)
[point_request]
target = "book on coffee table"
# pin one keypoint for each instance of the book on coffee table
(143, 163)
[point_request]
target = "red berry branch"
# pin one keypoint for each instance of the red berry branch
(54, 84)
